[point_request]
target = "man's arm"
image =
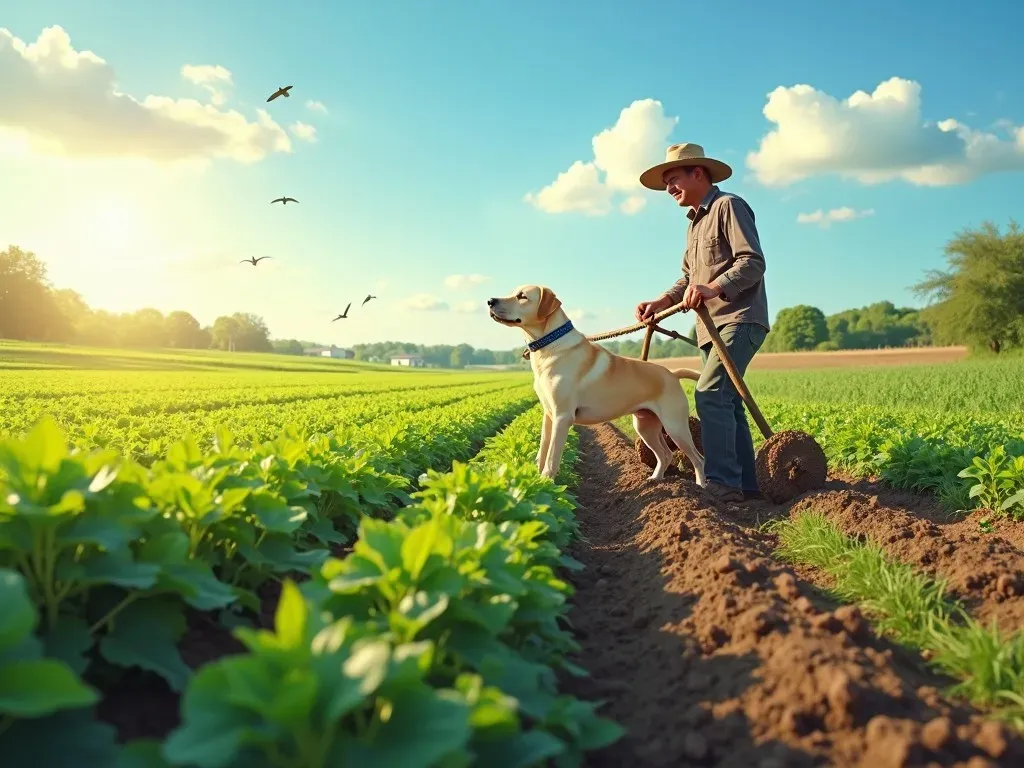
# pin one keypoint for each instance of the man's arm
(748, 259)
(675, 293)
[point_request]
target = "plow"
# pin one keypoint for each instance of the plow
(789, 462)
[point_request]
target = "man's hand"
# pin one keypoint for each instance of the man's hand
(696, 294)
(646, 310)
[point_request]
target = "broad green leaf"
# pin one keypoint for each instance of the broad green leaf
(213, 731)
(142, 753)
(369, 665)
(108, 533)
(521, 750)
(422, 542)
(69, 641)
(493, 615)
(419, 609)
(66, 739)
(380, 542)
(195, 582)
(17, 614)
(291, 615)
(598, 732)
(274, 514)
(145, 634)
(41, 687)
(116, 568)
(424, 726)
(356, 572)
(40, 452)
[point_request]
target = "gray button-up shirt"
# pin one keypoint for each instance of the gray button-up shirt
(724, 251)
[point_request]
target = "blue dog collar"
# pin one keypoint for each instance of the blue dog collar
(555, 335)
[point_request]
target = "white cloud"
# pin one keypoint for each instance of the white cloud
(874, 138)
(425, 302)
(457, 281)
(316, 106)
(210, 77)
(470, 307)
(63, 102)
(303, 131)
(825, 218)
(622, 152)
(579, 314)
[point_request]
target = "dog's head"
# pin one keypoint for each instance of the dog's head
(530, 307)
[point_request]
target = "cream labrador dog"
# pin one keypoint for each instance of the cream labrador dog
(580, 382)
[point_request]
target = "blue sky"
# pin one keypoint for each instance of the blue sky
(440, 119)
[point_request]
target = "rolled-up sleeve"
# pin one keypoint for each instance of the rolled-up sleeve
(748, 259)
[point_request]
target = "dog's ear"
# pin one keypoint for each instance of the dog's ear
(548, 304)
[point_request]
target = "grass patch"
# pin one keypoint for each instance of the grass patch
(915, 611)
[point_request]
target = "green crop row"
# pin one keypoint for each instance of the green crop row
(71, 382)
(968, 461)
(992, 387)
(436, 642)
(122, 403)
(111, 554)
(144, 438)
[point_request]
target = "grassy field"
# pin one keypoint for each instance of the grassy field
(282, 565)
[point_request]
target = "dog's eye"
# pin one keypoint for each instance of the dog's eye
(521, 296)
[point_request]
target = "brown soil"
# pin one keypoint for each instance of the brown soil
(859, 358)
(141, 705)
(710, 652)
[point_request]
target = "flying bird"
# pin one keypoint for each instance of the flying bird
(368, 297)
(254, 261)
(344, 314)
(283, 200)
(280, 92)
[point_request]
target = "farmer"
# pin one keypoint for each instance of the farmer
(723, 268)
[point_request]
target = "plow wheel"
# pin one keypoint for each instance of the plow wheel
(646, 455)
(790, 463)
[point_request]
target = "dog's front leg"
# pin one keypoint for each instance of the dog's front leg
(545, 441)
(559, 434)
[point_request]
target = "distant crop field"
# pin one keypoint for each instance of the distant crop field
(16, 355)
(851, 358)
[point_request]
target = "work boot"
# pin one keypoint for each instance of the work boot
(724, 493)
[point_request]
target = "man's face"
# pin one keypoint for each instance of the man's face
(686, 185)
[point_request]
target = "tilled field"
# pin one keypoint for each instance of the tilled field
(712, 652)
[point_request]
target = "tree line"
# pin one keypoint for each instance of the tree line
(31, 309)
(978, 301)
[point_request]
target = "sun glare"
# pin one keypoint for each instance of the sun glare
(115, 221)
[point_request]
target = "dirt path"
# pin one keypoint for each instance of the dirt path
(712, 653)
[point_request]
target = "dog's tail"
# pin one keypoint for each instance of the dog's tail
(685, 373)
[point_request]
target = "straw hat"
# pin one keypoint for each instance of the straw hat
(680, 155)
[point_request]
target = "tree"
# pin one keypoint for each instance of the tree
(145, 328)
(288, 346)
(182, 330)
(800, 327)
(241, 332)
(225, 332)
(461, 356)
(27, 307)
(979, 300)
(75, 312)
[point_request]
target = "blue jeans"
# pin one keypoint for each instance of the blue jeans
(724, 432)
